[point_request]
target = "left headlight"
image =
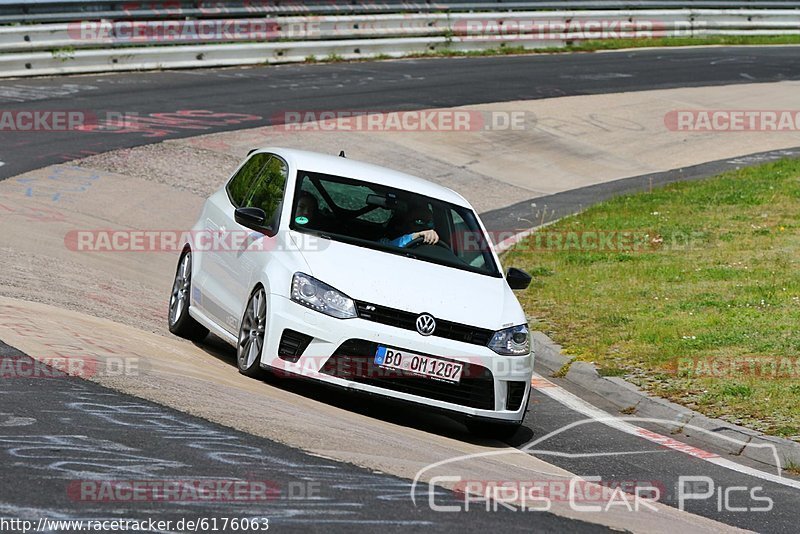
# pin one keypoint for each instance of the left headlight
(312, 293)
(514, 341)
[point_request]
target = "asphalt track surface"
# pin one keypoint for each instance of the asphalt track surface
(590, 450)
(75, 432)
(266, 93)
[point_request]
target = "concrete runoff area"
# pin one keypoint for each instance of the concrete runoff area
(498, 154)
(104, 305)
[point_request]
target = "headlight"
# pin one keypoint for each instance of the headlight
(319, 296)
(514, 341)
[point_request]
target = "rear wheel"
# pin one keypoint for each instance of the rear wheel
(251, 334)
(180, 322)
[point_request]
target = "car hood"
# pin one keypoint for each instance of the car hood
(415, 286)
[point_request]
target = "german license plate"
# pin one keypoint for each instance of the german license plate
(427, 366)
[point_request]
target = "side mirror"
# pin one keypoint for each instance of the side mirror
(517, 278)
(253, 218)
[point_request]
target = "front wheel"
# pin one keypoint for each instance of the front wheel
(180, 322)
(251, 334)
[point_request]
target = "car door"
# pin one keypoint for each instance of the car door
(219, 229)
(250, 249)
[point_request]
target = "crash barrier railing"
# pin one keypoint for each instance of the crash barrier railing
(70, 10)
(97, 44)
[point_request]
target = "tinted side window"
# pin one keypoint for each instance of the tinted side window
(469, 243)
(267, 191)
(241, 184)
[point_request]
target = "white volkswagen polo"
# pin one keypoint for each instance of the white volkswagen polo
(360, 277)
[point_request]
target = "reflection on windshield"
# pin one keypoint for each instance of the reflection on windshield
(391, 220)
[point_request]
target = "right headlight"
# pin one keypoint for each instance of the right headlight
(312, 293)
(514, 341)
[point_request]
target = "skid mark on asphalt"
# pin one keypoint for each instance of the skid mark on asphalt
(81, 456)
(7, 419)
(312, 490)
(31, 93)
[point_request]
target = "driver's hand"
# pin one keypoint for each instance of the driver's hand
(429, 237)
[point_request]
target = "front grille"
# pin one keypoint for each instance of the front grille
(408, 321)
(515, 396)
(292, 345)
(354, 360)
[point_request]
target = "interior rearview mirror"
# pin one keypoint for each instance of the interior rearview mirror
(388, 201)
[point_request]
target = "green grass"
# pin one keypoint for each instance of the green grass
(332, 58)
(714, 280)
(792, 468)
(730, 40)
(588, 46)
(64, 54)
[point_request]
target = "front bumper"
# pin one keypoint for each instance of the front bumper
(340, 353)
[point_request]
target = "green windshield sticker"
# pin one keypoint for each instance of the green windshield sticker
(301, 220)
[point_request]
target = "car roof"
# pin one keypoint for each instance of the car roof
(367, 172)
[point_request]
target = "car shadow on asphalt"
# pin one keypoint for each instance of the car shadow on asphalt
(377, 408)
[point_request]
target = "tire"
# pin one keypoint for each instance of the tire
(180, 322)
(252, 330)
(490, 430)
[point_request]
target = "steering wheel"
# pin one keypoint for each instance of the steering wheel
(417, 241)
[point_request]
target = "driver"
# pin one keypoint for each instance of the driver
(307, 208)
(419, 224)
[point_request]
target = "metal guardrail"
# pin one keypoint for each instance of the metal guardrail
(108, 34)
(72, 10)
(97, 45)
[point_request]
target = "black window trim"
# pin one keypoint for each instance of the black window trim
(268, 230)
(238, 170)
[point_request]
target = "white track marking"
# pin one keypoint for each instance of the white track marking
(581, 406)
(506, 244)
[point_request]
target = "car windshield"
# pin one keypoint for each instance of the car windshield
(389, 220)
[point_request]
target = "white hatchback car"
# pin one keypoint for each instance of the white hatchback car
(360, 277)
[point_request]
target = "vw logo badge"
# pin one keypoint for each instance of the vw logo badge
(426, 324)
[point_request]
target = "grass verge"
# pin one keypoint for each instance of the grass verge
(691, 291)
(589, 46)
